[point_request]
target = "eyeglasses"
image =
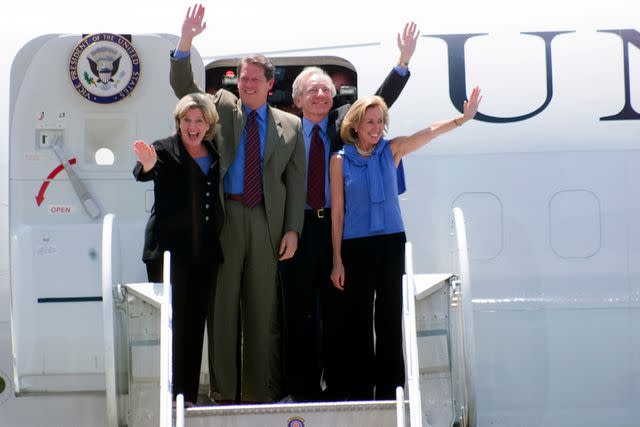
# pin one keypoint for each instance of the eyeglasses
(317, 89)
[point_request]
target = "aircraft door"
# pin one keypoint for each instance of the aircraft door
(77, 105)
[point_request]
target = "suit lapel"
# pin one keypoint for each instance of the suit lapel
(274, 131)
(332, 129)
(176, 148)
(239, 120)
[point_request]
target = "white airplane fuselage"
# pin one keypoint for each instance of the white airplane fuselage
(546, 176)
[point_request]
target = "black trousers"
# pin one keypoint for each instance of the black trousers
(335, 336)
(373, 278)
(305, 283)
(192, 285)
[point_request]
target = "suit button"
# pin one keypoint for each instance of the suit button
(206, 218)
(206, 206)
(208, 182)
(207, 194)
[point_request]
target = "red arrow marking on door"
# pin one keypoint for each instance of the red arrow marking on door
(45, 184)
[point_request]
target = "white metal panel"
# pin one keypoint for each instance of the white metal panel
(70, 409)
(544, 324)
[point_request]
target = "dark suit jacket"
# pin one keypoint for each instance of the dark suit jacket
(389, 91)
(284, 153)
(187, 213)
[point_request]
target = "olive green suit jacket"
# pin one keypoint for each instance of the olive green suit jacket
(284, 162)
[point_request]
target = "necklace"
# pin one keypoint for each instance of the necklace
(365, 153)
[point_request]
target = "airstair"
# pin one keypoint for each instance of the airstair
(438, 339)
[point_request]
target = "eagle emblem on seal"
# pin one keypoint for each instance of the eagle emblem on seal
(104, 68)
(104, 64)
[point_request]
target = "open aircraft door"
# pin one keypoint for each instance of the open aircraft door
(77, 104)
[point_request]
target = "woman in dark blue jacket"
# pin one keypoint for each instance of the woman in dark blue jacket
(186, 220)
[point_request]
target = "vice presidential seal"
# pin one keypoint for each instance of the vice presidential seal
(104, 68)
(295, 422)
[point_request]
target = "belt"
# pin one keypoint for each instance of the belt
(321, 213)
(234, 197)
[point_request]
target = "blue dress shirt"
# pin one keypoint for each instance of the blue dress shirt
(233, 181)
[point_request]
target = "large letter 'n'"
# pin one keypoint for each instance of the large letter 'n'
(457, 73)
(633, 37)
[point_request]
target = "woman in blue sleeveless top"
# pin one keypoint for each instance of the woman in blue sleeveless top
(368, 242)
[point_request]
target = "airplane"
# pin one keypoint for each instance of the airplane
(545, 177)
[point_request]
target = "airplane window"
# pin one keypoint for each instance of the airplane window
(104, 157)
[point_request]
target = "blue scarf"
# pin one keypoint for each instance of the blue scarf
(374, 165)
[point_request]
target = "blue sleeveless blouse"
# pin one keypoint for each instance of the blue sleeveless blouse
(370, 192)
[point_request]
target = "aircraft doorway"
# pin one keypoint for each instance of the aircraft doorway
(221, 74)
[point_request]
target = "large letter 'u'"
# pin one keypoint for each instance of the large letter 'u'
(457, 73)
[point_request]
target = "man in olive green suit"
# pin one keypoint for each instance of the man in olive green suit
(259, 229)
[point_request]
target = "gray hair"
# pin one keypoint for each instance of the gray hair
(298, 84)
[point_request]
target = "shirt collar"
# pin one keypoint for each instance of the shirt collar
(307, 126)
(262, 112)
